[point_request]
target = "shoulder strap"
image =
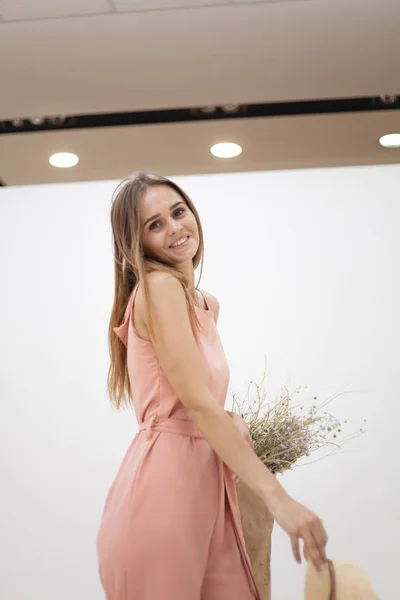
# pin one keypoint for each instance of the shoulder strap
(205, 299)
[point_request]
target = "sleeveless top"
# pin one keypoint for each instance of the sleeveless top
(151, 392)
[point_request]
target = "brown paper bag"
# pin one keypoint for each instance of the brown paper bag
(257, 524)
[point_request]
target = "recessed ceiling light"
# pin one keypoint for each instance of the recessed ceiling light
(391, 140)
(63, 160)
(226, 150)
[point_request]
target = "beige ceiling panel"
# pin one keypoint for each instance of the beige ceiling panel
(143, 5)
(264, 1)
(218, 55)
(183, 148)
(21, 10)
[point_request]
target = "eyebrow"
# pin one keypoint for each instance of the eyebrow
(159, 215)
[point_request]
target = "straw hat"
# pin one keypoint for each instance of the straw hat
(337, 581)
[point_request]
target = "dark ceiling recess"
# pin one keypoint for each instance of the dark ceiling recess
(203, 113)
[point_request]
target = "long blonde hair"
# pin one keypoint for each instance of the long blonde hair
(131, 266)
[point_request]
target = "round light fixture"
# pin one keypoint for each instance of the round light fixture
(391, 140)
(63, 160)
(226, 150)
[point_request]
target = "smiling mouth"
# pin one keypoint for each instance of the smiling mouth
(182, 242)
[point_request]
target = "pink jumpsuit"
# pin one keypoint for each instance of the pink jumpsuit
(171, 527)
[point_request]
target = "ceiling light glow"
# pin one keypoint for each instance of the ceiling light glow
(391, 140)
(226, 150)
(64, 160)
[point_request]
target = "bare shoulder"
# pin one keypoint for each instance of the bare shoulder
(166, 292)
(163, 288)
(213, 303)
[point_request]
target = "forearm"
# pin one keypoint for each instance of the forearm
(224, 437)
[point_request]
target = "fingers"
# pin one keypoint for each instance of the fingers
(294, 540)
(320, 538)
(306, 553)
(312, 549)
(315, 539)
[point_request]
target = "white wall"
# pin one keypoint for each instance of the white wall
(305, 265)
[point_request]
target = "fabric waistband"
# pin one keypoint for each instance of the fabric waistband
(171, 425)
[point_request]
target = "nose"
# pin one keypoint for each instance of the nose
(174, 227)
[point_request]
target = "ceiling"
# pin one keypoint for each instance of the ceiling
(81, 57)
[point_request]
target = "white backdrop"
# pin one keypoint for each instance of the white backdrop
(305, 265)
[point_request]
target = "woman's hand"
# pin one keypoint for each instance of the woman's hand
(295, 519)
(300, 523)
(244, 430)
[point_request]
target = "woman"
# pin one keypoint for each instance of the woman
(171, 525)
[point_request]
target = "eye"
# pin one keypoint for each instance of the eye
(177, 213)
(154, 224)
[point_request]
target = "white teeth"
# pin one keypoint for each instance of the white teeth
(182, 241)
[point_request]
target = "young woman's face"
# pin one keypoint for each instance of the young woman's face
(165, 220)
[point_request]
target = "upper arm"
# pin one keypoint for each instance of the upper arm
(174, 342)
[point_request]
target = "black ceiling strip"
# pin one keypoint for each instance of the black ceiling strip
(182, 115)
